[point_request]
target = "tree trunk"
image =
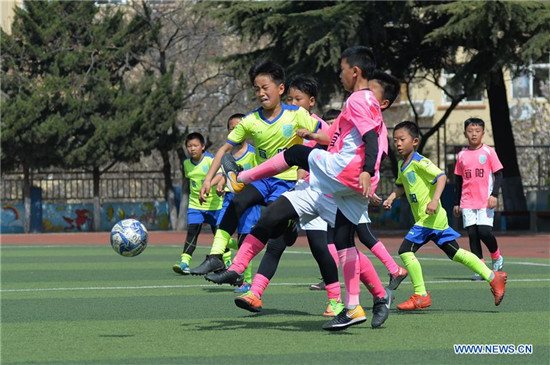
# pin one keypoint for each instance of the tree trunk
(169, 189)
(512, 187)
(184, 202)
(26, 198)
(96, 223)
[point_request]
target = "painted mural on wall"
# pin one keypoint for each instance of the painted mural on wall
(12, 218)
(78, 217)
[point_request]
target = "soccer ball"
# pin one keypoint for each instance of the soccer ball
(129, 237)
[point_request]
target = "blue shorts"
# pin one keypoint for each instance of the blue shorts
(271, 187)
(421, 235)
(248, 218)
(196, 216)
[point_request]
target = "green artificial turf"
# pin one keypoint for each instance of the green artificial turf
(87, 305)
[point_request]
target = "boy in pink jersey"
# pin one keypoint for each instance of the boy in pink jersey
(344, 171)
(478, 177)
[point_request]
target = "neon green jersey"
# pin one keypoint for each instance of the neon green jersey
(419, 178)
(196, 173)
(272, 137)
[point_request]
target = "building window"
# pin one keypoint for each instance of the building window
(476, 98)
(528, 84)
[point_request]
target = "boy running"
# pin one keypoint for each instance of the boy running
(423, 182)
(478, 174)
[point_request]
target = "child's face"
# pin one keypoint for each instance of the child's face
(299, 98)
(474, 134)
(233, 123)
(194, 148)
(378, 91)
(268, 92)
(404, 142)
(348, 75)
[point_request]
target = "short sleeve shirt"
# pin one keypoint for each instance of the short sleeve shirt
(273, 136)
(477, 168)
(419, 178)
(196, 172)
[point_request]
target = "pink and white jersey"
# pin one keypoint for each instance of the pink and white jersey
(361, 114)
(476, 168)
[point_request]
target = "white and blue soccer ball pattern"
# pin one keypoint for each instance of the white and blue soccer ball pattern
(129, 237)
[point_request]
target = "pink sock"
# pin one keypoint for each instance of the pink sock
(259, 284)
(379, 250)
(249, 249)
(350, 267)
(334, 253)
(370, 278)
(268, 168)
(333, 290)
(495, 255)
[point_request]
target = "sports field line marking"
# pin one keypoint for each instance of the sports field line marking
(210, 285)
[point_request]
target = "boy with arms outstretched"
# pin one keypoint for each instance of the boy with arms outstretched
(423, 182)
(273, 128)
(478, 174)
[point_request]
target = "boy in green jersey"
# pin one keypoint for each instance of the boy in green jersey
(423, 182)
(272, 127)
(195, 168)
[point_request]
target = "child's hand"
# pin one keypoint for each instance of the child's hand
(304, 133)
(387, 203)
(364, 183)
(431, 208)
(221, 186)
(205, 191)
(492, 203)
(456, 211)
(375, 200)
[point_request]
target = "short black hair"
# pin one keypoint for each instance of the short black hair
(194, 135)
(474, 121)
(234, 116)
(330, 114)
(411, 127)
(389, 83)
(269, 68)
(362, 57)
(307, 85)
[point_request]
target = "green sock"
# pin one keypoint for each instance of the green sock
(415, 271)
(233, 244)
(247, 275)
(473, 262)
(227, 257)
(186, 258)
(221, 238)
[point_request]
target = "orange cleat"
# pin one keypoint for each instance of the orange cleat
(250, 302)
(498, 285)
(416, 302)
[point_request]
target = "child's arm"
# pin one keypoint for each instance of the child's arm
(214, 167)
(219, 181)
(431, 208)
(493, 198)
(319, 136)
(399, 190)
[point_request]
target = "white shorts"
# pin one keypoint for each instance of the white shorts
(481, 217)
(323, 180)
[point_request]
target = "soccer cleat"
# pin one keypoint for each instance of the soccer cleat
(225, 277)
(397, 278)
(243, 288)
(250, 302)
(320, 286)
(346, 318)
(477, 277)
(230, 169)
(416, 302)
(334, 307)
(498, 285)
(497, 264)
(181, 268)
(211, 263)
(381, 309)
